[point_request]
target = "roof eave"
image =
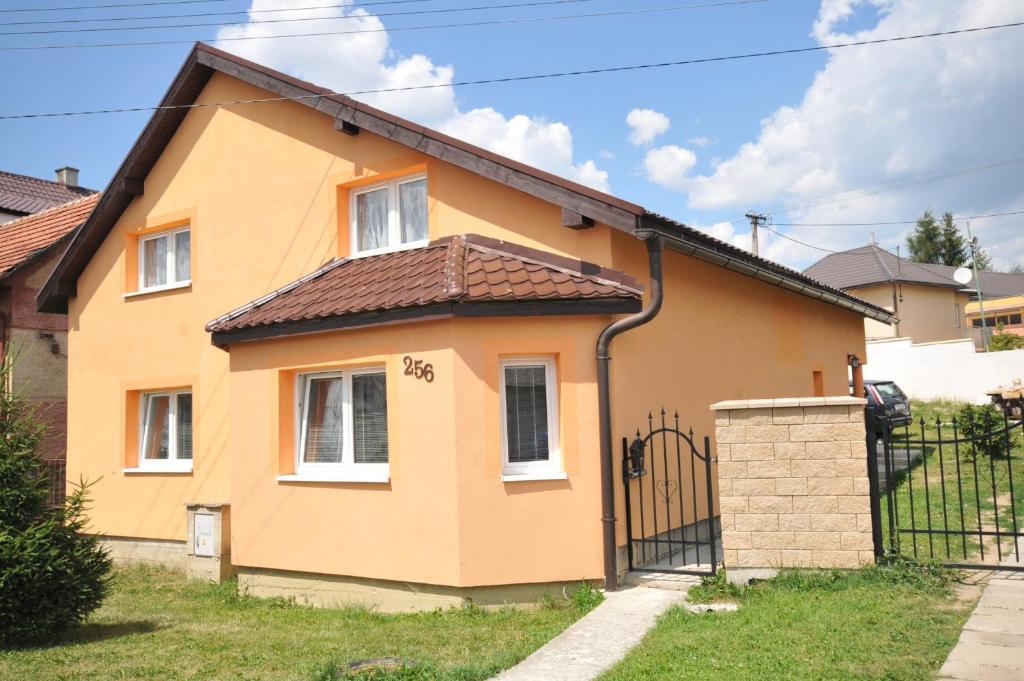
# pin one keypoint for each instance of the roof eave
(690, 242)
(430, 312)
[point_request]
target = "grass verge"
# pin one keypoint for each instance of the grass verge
(894, 623)
(158, 625)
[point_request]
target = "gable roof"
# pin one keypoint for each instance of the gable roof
(25, 238)
(871, 264)
(459, 276)
(579, 203)
(26, 194)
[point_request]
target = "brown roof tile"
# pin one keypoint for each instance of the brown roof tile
(453, 270)
(25, 194)
(22, 238)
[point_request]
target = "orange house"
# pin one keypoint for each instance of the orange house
(378, 346)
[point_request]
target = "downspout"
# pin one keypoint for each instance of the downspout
(654, 246)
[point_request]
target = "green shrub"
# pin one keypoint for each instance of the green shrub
(1001, 340)
(974, 421)
(52, 574)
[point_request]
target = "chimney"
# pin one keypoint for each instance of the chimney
(67, 175)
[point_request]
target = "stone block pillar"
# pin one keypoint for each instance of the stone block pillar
(208, 546)
(793, 483)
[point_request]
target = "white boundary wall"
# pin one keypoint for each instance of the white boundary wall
(942, 369)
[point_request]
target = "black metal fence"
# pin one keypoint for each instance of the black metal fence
(948, 489)
(670, 510)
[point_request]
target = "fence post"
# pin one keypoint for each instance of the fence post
(871, 431)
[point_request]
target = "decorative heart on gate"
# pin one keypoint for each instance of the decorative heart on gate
(667, 489)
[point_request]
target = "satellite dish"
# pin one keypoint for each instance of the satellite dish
(962, 275)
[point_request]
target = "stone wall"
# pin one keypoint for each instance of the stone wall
(793, 485)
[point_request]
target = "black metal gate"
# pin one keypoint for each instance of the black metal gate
(949, 490)
(670, 509)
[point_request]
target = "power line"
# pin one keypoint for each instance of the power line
(491, 22)
(891, 222)
(894, 185)
(509, 79)
(445, 10)
(211, 14)
(126, 4)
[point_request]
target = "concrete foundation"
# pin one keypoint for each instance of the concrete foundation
(388, 596)
(131, 550)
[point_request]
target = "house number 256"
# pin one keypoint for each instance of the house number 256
(417, 368)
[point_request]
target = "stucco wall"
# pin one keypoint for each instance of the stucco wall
(264, 189)
(944, 369)
(926, 313)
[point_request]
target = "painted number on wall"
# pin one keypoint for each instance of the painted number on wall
(419, 369)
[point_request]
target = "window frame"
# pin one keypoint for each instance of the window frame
(171, 264)
(172, 464)
(552, 469)
(348, 470)
(394, 217)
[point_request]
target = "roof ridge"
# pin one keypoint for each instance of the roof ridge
(512, 253)
(876, 248)
(43, 179)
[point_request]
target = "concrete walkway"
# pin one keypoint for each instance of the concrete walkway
(599, 639)
(991, 647)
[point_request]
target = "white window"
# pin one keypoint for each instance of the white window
(343, 433)
(166, 431)
(529, 420)
(389, 216)
(165, 260)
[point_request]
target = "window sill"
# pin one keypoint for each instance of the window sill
(174, 470)
(336, 477)
(524, 477)
(391, 249)
(157, 289)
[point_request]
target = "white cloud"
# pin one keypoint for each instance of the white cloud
(366, 61)
(645, 125)
(669, 166)
(701, 141)
(878, 117)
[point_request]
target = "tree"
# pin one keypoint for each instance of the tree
(952, 244)
(925, 242)
(1017, 269)
(982, 260)
(52, 573)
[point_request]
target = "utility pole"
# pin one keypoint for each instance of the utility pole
(756, 219)
(977, 286)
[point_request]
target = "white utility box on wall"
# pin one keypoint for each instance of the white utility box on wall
(209, 541)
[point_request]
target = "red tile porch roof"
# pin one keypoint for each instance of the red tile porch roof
(466, 275)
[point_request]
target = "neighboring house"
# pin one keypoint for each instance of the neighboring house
(36, 342)
(22, 195)
(993, 313)
(928, 304)
(377, 345)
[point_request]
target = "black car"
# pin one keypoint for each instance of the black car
(891, 404)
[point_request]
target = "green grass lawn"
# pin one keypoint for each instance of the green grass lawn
(876, 624)
(158, 625)
(948, 489)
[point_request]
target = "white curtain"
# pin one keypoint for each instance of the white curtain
(372, 219)
(412, 198)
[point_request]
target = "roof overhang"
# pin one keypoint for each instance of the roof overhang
(691, 242)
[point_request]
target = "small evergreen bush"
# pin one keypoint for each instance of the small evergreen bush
(1001, 340)
(52, 574)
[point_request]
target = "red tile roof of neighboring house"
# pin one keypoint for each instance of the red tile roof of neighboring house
(23, 238)
(24, 194)
(466, 275)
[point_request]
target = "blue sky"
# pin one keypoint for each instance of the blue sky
(791, 135)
